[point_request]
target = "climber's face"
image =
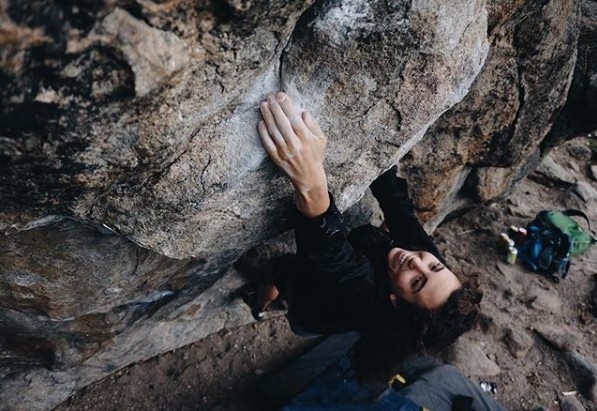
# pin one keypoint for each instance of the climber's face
(419, 278)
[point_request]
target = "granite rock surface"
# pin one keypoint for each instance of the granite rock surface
(132, 177)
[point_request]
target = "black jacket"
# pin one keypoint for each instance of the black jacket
(339, 282)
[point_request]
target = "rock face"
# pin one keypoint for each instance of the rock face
(493, 138)
(578, 114)
(131, 174)
(182, 172)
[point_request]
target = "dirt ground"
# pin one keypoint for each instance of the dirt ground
(220, 371)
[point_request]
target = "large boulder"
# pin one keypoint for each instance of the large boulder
(578, 115)
(481, 147)
(132, 176)
(143, 118)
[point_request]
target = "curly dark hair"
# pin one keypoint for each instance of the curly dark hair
(413, 330)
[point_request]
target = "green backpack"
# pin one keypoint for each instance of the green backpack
(552, 238)
(581, 240)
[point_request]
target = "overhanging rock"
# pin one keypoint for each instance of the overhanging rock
(140, 118)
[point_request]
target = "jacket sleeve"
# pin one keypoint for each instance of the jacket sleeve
(336, 283)
(391, 193)
(323, 244)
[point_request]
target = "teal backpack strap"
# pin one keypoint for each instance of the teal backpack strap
(572, 212)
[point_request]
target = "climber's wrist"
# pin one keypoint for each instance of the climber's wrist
(312, 201)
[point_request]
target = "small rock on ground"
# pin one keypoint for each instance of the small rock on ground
(519, 342)
(472, 360)
(585, 191)
(584, 372)
(557, 337)
(571, 404)
(555, 172)
(580, 151)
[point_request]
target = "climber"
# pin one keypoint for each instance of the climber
(392, 286)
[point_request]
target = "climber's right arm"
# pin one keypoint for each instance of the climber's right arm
(296, 143)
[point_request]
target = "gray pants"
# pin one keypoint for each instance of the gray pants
(430, 384)
(436, 386)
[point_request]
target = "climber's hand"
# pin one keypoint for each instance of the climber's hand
(296, 143)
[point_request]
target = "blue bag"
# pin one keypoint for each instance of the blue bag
(338, 389)
(552, 238)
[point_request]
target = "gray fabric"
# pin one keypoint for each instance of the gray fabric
(436, 385)
(278, 388)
